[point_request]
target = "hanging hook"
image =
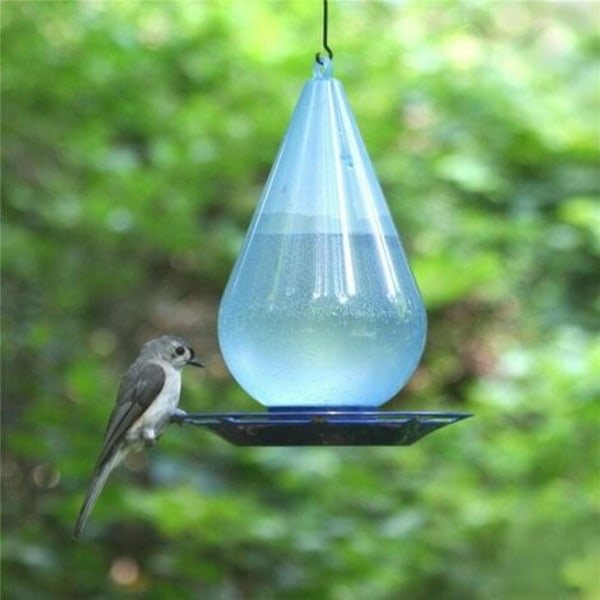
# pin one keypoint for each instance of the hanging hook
(325, 45)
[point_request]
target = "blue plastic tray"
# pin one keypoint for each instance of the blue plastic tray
(292, 427)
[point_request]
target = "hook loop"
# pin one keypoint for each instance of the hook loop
(323, 68)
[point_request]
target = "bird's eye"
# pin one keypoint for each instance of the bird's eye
(180, 350)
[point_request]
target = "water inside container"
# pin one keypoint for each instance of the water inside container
(321, 308)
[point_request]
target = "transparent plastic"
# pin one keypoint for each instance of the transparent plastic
(321, 309)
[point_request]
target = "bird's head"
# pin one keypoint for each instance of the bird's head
(172, 349)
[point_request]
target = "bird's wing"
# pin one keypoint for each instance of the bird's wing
(139, 388)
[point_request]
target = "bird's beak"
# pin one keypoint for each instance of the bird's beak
(194, 362)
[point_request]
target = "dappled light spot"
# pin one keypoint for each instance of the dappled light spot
(45, 476)
(464, 52)
(125, 571)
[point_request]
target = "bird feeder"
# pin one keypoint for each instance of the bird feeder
(321, 320)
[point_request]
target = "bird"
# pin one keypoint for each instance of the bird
(147, 400)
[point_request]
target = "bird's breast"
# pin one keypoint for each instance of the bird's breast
(157, 415)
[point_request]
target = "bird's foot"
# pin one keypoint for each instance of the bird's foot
(177, 416)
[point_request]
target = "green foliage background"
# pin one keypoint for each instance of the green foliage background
(136, 139)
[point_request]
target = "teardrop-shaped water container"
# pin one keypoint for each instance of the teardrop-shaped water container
(321, 309)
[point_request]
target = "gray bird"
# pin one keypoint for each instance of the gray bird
(146, 402)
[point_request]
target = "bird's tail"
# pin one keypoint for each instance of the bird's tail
(96, 486)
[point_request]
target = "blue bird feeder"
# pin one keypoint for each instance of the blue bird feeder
(321, 320)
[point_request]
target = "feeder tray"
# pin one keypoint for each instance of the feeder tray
(297, 427)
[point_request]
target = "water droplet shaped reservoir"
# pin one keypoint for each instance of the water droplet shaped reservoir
(321, 308)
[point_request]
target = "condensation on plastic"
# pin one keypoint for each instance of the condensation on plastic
(321, 308)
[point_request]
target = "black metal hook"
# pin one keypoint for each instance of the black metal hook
(325, 45)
